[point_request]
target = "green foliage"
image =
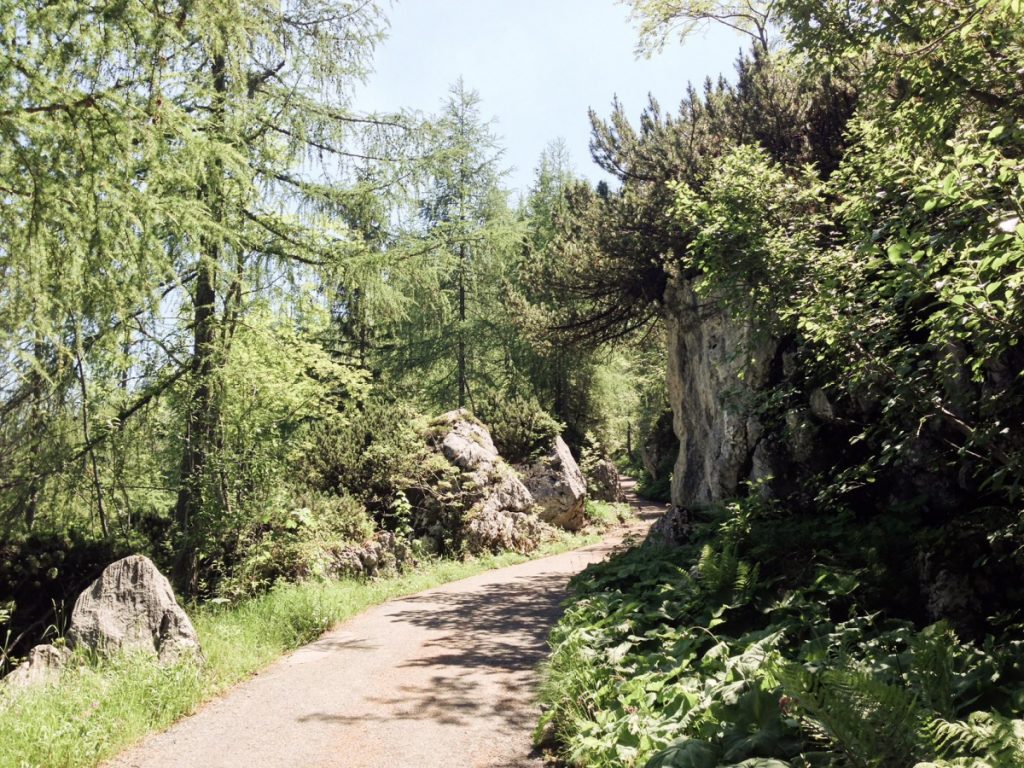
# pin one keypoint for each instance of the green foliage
(680, 656)
(296, 544)
(605, 513)
(522, 431)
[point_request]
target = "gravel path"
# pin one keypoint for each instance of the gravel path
(442, 678)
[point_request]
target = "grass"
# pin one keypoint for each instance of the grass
(605, 513)
(99, 707)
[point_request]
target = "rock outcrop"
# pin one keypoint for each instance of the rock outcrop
(558, 487)
(384, 553)
(131, 607)
(43, 665)
(660, 448)
(501, 513)
(603, 482)
(715, 365)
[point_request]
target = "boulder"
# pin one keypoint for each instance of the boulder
(603, 482)
(504, 519)
(558, 488)
(131, 607)
(43, 665)
(467, 444)
(501, 512)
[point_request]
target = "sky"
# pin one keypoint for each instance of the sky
(538, 65)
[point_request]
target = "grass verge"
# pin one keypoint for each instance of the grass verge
(99, 707)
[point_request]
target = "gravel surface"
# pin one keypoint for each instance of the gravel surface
(442, 678)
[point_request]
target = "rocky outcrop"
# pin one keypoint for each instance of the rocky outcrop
(558, 487)
(715, 365)
(603, 482)
(660, 447)
(501, 511)
(504, 519)
(131, 607)
(384, 553)
(43, 665)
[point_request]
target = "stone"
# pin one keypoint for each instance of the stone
(821, 408)
(131, 607)
(660, 447)
(558, 488)
(468, 445)
(504, 519)
(674, 527)
(503, 513)
(43, 665)
(716, 364)
(384, 553)
(603, 482)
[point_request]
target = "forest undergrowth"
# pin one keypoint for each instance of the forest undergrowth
(726, 652)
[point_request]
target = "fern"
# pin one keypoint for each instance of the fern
(851, 710)
(722, 572)
(997, 739)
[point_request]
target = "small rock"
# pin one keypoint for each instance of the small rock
(131, 607)
(821, 408)
(43, 665)
(603, 483)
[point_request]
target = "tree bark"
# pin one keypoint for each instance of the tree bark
(462, 326)
(201, 415)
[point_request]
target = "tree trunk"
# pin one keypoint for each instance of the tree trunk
(462, 327)
(201, 414)
(200, 423)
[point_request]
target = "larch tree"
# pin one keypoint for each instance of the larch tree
(466, 233)
(164, 167)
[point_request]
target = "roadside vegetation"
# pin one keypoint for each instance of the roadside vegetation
(850, 208)
(100, 706)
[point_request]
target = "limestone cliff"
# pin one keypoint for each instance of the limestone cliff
(715, 365)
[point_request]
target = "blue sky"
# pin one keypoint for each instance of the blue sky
(537, 65)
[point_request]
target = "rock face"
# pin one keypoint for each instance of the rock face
(558, 487)
(131, 607)
(603, 482)
(43, 665)
(384, 553)
(660, 448)
(714, 365)
(502, 514)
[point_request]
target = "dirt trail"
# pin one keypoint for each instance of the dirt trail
(442, 678)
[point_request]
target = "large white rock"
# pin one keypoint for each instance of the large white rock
(504, 516)
(558, 488)
(131, 607)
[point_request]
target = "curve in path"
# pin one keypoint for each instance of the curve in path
(444, 678)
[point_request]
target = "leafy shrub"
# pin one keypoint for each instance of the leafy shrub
(373, 453)
(296, 543)
(689, 656)
(520, 428)
(606, 512)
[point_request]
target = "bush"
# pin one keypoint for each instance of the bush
(296, 543)
(522, 431)
(606, 513)
(373, 454)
